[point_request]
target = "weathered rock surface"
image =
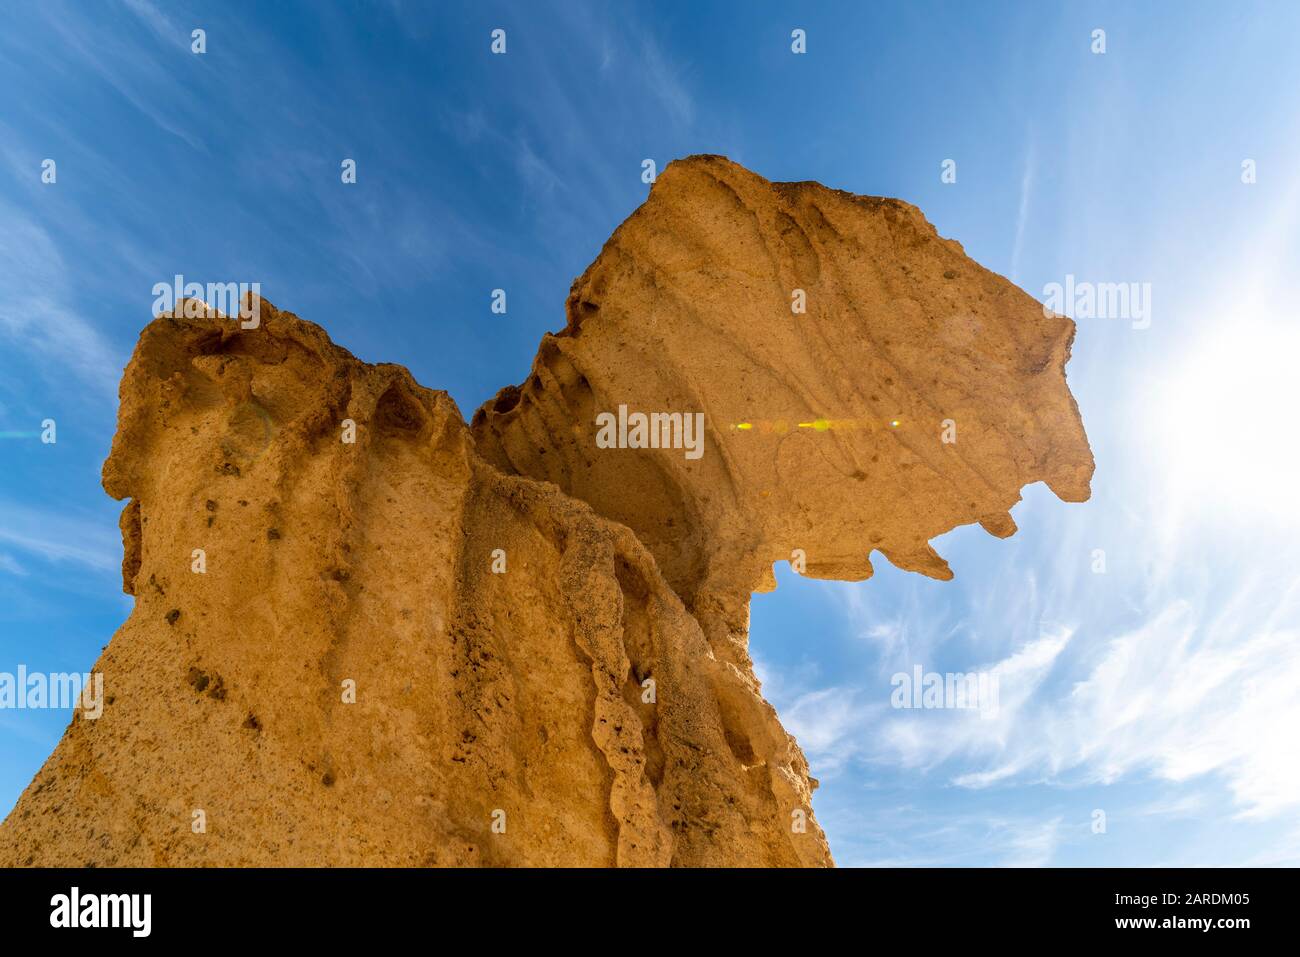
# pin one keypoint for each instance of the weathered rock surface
(522, 696)
(905, 341)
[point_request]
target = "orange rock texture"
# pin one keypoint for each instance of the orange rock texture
(366, 633)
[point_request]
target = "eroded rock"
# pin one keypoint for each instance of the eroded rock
(506, 645)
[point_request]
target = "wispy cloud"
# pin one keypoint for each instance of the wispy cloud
(1022, 213)
(905, 835)
(128, 66)
(665, 81)
(166, 31)
(36, 313)
(1186, 693)
(1032, 846)
(59, 537)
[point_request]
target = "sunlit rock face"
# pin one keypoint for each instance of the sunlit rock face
(367, 633)
(865, 385)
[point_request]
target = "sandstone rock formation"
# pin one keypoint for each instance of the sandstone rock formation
(594, 695)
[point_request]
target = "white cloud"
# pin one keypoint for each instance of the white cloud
(829, 724)
(1180, 696)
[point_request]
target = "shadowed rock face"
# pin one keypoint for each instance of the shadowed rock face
(595, 696)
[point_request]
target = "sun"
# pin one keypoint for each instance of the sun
(1225, 423)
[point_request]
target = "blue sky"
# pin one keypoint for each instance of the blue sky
(1162, 691)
